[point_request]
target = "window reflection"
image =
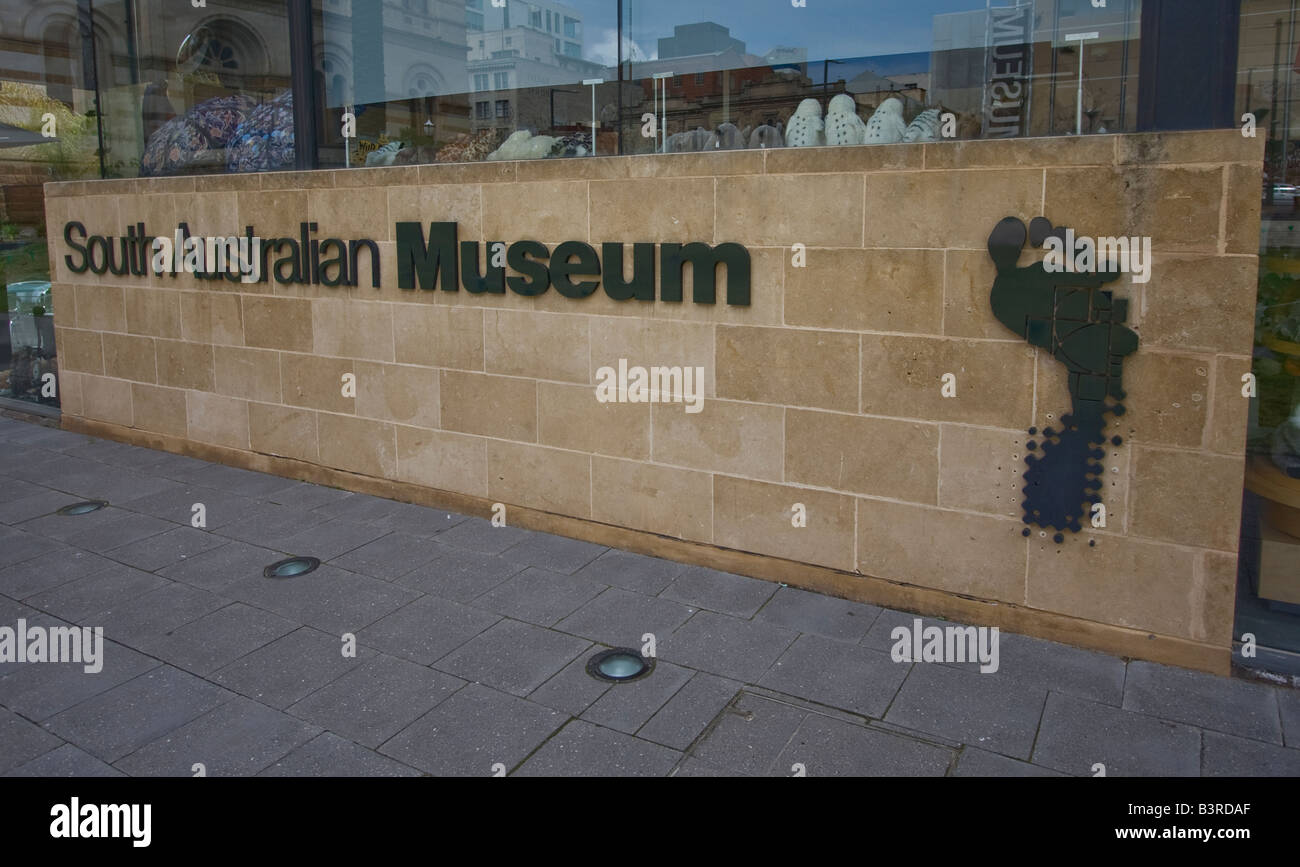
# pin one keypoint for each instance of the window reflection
(1268, 599)
(48, 131)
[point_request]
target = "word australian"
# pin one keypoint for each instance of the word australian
(243, 258)
(436, 260)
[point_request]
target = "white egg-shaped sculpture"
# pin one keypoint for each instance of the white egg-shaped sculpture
(843, 126)
(806, 128)
(886, 125)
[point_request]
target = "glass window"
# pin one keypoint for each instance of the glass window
(482, 110)
(480, 81)
(1004, 68)
(570, 27)
(501, 80)
(1268, 595)
(48, 110)
(408, 89)
(195, 90)
(503, 108)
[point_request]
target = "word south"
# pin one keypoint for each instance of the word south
(53, 644)
(946, 644)
(1084, 255)
(655, 385)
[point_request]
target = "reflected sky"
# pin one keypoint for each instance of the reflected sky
(827, 28)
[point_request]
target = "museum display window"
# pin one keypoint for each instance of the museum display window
(186, 90)
(1268, 595)
(48, 132)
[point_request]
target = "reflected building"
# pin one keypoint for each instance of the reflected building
(1011, 70)
(525, 45)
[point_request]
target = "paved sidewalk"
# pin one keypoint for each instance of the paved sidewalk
(472, 642)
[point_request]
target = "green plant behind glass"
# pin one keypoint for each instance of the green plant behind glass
(28, 262)
(1277, 318)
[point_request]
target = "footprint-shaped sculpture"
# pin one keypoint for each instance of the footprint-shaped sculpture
(1081, 325)
(806, 129)
(924, 127)
(843, 126)
(886, 125)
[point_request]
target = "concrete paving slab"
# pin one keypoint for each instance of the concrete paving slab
(66, 761)
(684, 717)
(460, 574)
(1001, 716)
(474, 732)
(238, 738)
(1078, 735)
(648, 576)
(832, 672)
(539, 596)
(427, 629)
(377, 699)
(120, 720)
(726, 646)
(1236, 707)
(585, 750)
(620, 618)
(290, 668)
(513, 657)
(819, 615)
(717, 591)
(328, 755)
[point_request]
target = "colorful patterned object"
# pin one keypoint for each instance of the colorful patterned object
(197, 138)
(925, 127)
(264, 142)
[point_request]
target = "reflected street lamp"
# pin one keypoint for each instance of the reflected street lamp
(1080, 38)
(593, 82)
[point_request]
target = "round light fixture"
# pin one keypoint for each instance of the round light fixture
(83, 508)
(619, 665)
(291, 567)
